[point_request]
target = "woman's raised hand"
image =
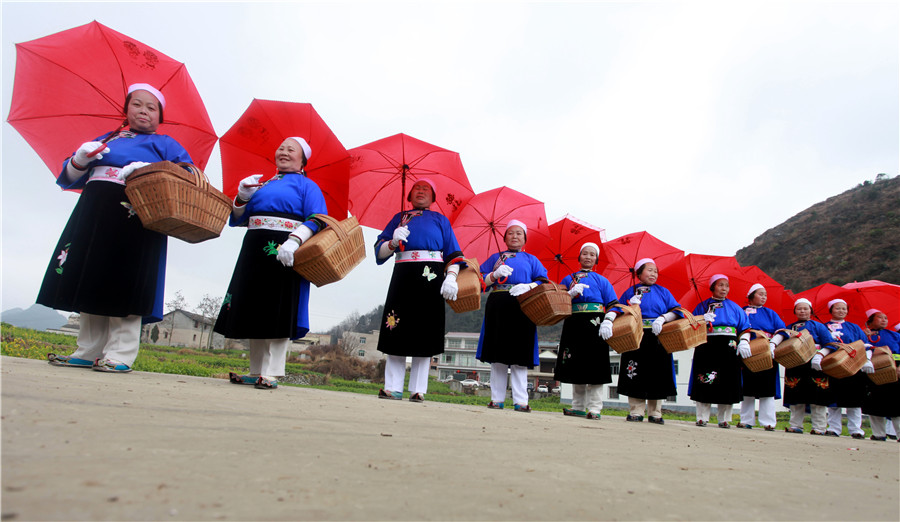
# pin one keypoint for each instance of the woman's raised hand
(248, 187)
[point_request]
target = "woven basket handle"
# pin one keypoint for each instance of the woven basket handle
(200, 178)
(760, 334)
(332, 224)
(689, 316)
(628, 309)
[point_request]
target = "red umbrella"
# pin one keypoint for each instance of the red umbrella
(627, 250)
(480, 225)
(560, 254)
(700, 268)
(70, 87)
(875, 294)
(383, 172)
(249, 148)
(820, 296)
(776, 293)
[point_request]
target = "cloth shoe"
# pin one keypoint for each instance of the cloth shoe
(593, 416)
(574, 413)
(417, 397)
(724, 425)
(858, 436)
(793, 430)
(522, 407)
(873, 437)
(264, 383)
(635, 418)
(495, 405)
(389, 395)
(655, 420)
(701, 423)
(745, 426)
(110, 366)
(68, 360)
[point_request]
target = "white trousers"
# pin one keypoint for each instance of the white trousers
(587, 397)
(637, 406)
(116, 338)
(817, 416)
(893, 426)
(395, 372)
(267, 357)
(766, 411)
(854, 420)
(723, 412)
(880, 425)
(518, 381)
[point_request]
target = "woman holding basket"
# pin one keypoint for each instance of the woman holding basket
(267, 301)
(106, 265)
(850, 392)
(648, 373)
(583, 358)
(882, 400)
(508, 337)
(424, 247)
(764, 385)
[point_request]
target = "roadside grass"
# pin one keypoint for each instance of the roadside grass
(32, 344)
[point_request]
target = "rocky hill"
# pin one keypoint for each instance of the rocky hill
(854, 236)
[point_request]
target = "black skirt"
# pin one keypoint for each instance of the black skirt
(850, 392)
(264, 295)
(583, 355)
(648, 372)
(112, 266)
(716, 372)
(882, 400)
(803, 385)
(507, 335)
(760, 384)
(413, 320)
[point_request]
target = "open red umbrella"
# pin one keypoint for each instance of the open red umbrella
(249, 148)
(627, 250)
(820, 296)
(560, 254)
(875, 294)
(700, 268)
(775, 292)
(480, 225)
(70, 87)
(383, 172)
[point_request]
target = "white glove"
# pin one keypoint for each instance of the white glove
(521, 288)
(709, 317)
(816, 362)
(657, 325)
(635, 300)
(868, 368)
(400, 234)
(577, 289)
(836, 335)
(744, 349)
(772, 349)
(81, 155)
(502, 271)
(246, 187)
(131, 167)
(287, 249)
(450, 287)
(606, 329)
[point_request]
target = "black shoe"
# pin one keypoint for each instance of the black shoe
(873, 437)
(635, 418)
(655, 420)
(858, 436)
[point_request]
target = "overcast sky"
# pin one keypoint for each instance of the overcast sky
(704, 123)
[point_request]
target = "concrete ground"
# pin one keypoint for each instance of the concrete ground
(84, 445)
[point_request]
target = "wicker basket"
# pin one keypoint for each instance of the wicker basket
(628, 330)
(683, 334)
(170, 200)
(468, 297)
(845, 360)
(547, 304)
(797, 349)
(332, 253)
(761, 357)
(885, 367)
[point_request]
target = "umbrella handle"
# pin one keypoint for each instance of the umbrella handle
(96, 151)
(112, 135)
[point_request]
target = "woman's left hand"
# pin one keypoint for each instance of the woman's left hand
(521, 288)
(449, 288)
(127, 170)
(744, 349)
(286, 251)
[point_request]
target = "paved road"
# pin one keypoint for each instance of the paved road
(84, 445)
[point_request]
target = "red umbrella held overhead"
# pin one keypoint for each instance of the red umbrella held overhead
(878, 295)
(480, 225)
(560, 254)
(70, 87)
(249, 148)
(776, 294)
(383, 172)
(700, 268)
(820, 296)
(627, 250)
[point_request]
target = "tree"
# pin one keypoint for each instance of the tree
(209, 308)
(177, 303)
(154, 334)
(349, 343)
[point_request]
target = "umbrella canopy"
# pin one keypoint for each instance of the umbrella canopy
(752, 275)
(70, 87)
(627, 250)
(249, 148)
(383, 172)
(560, 254)
(480, 225)
(700, 268)
(819, 297)
(875, 294)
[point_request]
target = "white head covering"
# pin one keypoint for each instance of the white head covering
(149, 88)
(802, 300)
(897, 327)
(642, 262)
(591, 245)
(834, 302)
(516, 223)
(755, 287)
(872, 311)
(716, 277)
(307, 152)
(430, 183)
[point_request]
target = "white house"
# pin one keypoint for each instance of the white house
(184, 329)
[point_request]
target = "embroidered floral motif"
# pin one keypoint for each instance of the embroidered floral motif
(226, 302)
(416, 255)
(792, 382)
(632, 369)
(272, 222)
(821, 382)
(392, 320)
(128, 207)
(428, 274)
(63, 255)
(732, 343)
(596, 321)
(707, 378)
(271, 249)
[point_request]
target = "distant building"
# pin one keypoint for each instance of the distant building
(183, 329)
(362, 345)
(72, 326)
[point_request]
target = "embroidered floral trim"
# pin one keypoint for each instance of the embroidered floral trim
(63, 255)
(632, 369)
(271, 249)
(392, 320)
(128, 207)
(792, 382)
(226, 302)
(707, 378)
(821, 382)
(271, 222)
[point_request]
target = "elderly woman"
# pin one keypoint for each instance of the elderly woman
(882, 400)
(806, 384)
(267, 301)
(764, 385)
(648, 373)
(508, 338)
(106, 265)
(583, 358)
(424, 248)
(850, 392)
